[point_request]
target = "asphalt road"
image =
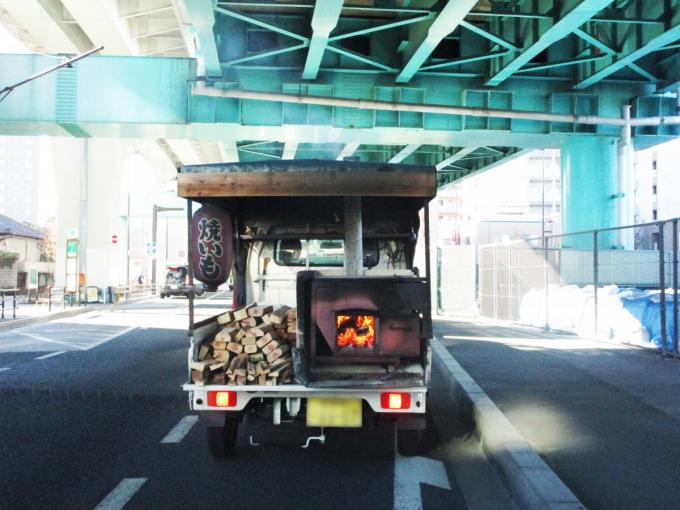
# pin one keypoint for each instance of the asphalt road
(88, 401)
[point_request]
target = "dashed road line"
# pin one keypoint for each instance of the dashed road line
(5, 368)
(180, 431)
(121, 494)
(50, 355)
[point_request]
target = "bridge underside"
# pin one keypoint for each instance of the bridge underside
(586, 57)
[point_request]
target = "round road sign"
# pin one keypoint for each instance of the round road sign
(114, 239)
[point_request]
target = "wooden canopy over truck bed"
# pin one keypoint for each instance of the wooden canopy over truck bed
(306, 178)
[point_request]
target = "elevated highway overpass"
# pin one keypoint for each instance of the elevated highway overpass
(460, 85)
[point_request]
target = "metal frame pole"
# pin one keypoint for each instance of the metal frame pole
(190, 270)
(510, 282)
(662, 285)
(675, 287)
(154, 235)
(428, 276)
(596, 278)
(545, 283)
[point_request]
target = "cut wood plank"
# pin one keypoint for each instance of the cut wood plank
(219, 345)
(280, 315)
(199, 365)
(260, 310)
(239, 335)
(262, 379)
(258, 356)
(226, 334)
(235, 347)
(277, 353)
(249, 340)
(241, 380)
(203, 351)
(197, 377)
(219, 378)
(261, 330)
(319, 183)
(271, 346)
(281, 363)
(250, 349)
(250, 322)
(225, 318)
(242, 313)
(216, 366)
(264, 340)
(232, 366)
(221, 355)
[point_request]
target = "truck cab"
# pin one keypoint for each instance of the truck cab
(334, 241)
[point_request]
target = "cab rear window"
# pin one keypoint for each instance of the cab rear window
(320, 252)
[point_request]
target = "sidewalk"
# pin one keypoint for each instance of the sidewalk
(604, 417)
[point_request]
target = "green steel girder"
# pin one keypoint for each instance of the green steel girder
(425, 37)
(324, 20)
(573, 14)
(635, 47)
(202, 18)
(404, 43)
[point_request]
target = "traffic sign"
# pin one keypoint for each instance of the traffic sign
(114, 239)
(72, 233)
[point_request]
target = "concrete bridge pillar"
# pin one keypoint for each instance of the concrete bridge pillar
(106, 188)
(589, 190)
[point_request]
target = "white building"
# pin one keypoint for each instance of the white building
(20, 160)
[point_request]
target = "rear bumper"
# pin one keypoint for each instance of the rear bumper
(198, 396)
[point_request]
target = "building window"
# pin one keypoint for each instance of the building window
(654, 189)
(654, 214)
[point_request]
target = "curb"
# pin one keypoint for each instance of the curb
(531, 482)
(28, 321)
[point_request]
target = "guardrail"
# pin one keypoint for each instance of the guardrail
(134, 292)
(3, 296)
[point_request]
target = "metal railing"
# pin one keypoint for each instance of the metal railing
(587, 283)
(4, 293)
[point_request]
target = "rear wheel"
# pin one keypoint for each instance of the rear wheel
(222, 440)
(409, 442)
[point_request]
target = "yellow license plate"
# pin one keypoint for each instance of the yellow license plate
(334, 412)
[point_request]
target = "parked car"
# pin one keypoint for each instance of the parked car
(177, 284)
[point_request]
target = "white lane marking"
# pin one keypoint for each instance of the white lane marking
(121, 494)
(409, 473)
(41, 338)
(50, 355)
(5, 368)
(180, 430)
(112, 337)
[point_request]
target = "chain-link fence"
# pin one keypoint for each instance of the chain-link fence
(587, 283)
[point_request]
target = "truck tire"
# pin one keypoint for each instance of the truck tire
(222, 440)
(409, 442)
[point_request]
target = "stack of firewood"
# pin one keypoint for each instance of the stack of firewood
(253, 346)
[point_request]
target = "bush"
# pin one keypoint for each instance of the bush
(8, 258)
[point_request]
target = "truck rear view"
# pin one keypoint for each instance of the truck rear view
(326, 296)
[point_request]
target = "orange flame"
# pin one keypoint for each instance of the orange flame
(355, 330)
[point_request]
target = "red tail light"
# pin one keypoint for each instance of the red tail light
(222, 398)
(395, 400)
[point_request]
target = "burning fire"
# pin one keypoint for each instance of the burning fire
(355, 330)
